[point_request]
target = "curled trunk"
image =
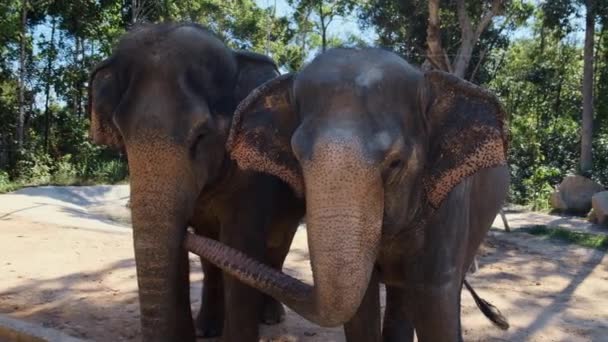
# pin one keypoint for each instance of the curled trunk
(344, 219)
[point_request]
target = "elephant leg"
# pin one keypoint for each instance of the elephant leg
(365, 325)
(210, 319)
(397, 323)
(280, 238)
(438, 271)
(242, 303)
(437, 313)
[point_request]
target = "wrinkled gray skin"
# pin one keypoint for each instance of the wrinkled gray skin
(167, 95)
(357, 132)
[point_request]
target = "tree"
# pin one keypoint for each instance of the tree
(587, 129)
(454, 36)
(22, 72)
(469, 35)
(51, 54)
(558, 15)
(324, 12)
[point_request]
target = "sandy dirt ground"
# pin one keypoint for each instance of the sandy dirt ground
(66, 262)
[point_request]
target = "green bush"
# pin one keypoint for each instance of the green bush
(112, 171)
(64, 171)
(34, 168)
(69, 159)
(540, 186)
(5, 182)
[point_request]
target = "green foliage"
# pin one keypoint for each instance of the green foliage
(596, 241)
(34, 168)
(539, 83)
(402, 27)
(5, 182)
(537, 76)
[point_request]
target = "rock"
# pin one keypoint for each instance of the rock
(574, 194)
(592, 217)
(599, 202)
(557, 202)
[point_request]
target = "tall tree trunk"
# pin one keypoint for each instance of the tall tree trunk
(469, 36)
(134, 11)
(81, 80)
(75, 85)
(435, 54)
(306, 29)
(587, 129)
(467, 41)
(22, 62)
(47, 87)
(323, 28)
(598, 52)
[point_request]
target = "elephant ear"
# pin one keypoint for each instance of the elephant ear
(253, 70)
(467, 133)
(103, 96)
(260, 135)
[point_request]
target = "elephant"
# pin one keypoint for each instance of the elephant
(167, 95)
(402, 172)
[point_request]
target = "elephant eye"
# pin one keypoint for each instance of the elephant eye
(393, 167)
(396, 164)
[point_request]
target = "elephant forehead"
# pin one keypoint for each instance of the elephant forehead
(381, 141)
(369, 76)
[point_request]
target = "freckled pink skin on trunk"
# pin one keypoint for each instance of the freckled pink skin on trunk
(161, 194)
(344, 197)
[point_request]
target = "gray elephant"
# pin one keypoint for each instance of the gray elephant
(167, 95)
(403, 173)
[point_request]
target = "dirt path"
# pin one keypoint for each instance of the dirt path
(82, 280)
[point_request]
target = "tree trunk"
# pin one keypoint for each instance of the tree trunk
(323, 28)
(467, 41)
(134, 11)
(469, 36)
(47, 89)
(587, 129)
(435, 54)
(79, 89)
(22, 61)
(75, 85)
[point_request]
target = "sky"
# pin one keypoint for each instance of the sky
(341, 26)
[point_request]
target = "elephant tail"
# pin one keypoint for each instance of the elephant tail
(489, 310)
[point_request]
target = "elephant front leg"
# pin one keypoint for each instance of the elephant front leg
(365, 325)
(242, 303)
(397, 325)
(437, 312)
(210, 319)
(279, 241)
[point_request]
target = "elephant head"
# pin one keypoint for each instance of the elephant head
(374, 145)
(167, 95)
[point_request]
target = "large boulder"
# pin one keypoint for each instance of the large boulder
(599, 202)
(574, 194)
(557, 202)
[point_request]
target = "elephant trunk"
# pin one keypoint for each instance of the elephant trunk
(161, 196)
(344, 220)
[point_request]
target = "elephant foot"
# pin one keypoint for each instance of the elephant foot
(208, 327)
(274, 312)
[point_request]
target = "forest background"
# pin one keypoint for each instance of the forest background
(546, 60)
